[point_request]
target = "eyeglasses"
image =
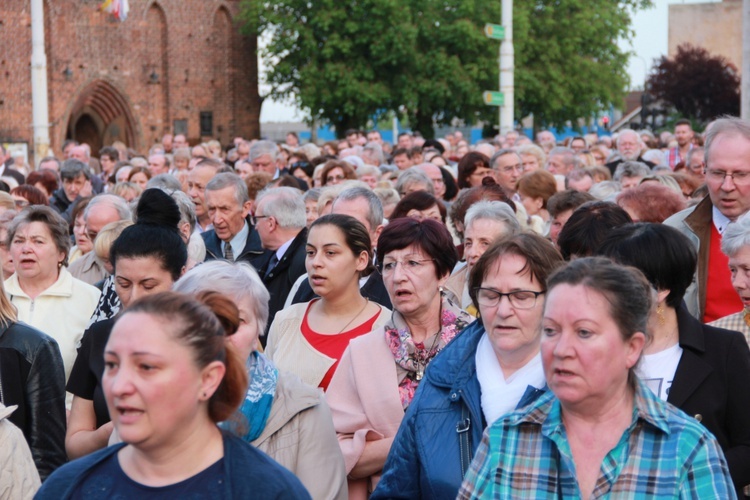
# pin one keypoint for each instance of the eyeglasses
(718, 176)
(332, 178)
(519, 299)
(254, 219)
(411, 266)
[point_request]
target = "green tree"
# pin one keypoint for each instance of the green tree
(347, 62)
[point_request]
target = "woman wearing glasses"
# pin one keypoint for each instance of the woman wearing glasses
(493, 367)
(380, 372)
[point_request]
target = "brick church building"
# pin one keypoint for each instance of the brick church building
(173, 66)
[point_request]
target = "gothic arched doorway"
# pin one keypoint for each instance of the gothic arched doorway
(101, 116)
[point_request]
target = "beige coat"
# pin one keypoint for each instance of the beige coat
(19, 478)
(291, 352)
(365, 403)
(299, 435)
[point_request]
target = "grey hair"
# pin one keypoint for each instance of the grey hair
(375, 150)
(727, 125)
(655, 156)
(626, 131)
(311, 195)
(568, 156)
(503, 152)
(72, 168)
(736, 236)
(112, 200)
(368, 170)
(284, 204)
(533, 150)
(414, 175)
(605, 190)
(185, 204)
(165, 182)
(261, 148)
(631, 169)
(236, 280)
(227, 179)
(493, 210)
(375, 212)
(692, 152)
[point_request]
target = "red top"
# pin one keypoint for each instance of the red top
(721, 298)
(333, 346)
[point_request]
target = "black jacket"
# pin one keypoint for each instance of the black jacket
(32, 376)
(60, 202)
(252, 253)
(712, 384)
(373, 289)
(281, 278)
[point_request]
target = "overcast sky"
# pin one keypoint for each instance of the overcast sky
(649, 43)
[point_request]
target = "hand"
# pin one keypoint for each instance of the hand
(86, 190)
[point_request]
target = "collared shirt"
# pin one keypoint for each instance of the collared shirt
(720, 220)
(673, 156)
(734, 322)
(283, 248)
(238, 242)
(663, 454)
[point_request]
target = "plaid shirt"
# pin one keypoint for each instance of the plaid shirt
(663, 454)
(673, 156)
(734, 322)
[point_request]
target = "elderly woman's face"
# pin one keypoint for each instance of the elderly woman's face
(478, 237)
(586, 361)
(245, 339)
(35, 255)
(410, 279)
(335, 176)
(511, 323)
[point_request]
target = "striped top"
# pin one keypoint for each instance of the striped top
(663, 454)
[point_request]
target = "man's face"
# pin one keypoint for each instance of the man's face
(351, 140)
(629, 146)
(433, 172)
(226, 213)
(405, 142)
(696, 165)
(730, 154)
(583, 184)
(402, 162)
(79, 153)
(629, 182)
(74, 186)
(197, 180)
(507, 170)
(739, 266)
(264, 163)
(243, 151)
(292, 141)
(157, 164)
(374, 136)
(556, 165)
(360, 210)
(683, 134)
(50, 165)
(98, 217)
(179, 142)
(166, 141)
(107, 164)
(557, 224)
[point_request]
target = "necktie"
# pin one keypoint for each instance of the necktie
(228, 254)
(271, 264)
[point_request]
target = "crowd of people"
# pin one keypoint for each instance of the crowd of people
(520, 317)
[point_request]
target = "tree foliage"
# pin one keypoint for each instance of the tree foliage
(346, 62)
(697, 84)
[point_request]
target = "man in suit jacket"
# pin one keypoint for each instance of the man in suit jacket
(233, 236)
(280, 221)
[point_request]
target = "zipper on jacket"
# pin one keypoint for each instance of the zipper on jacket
(2, 398)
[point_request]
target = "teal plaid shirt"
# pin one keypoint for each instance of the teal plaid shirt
(663, 454)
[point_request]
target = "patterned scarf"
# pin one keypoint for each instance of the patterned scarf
(256, 407)
(415, 356)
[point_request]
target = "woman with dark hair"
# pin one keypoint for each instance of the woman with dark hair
(170, 377)
(379, 373)
(82, 242)
(599, 431)
(419, 205)
(472, 168)
(702, 370)
(588, 226)
(302, 169)
(335, 172)
(492, 367)
(147, 257)
(25, 195)
(46, 180)
(308, 338)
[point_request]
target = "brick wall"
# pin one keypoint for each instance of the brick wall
(170, 60)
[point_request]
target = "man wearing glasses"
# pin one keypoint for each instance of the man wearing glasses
(727, 172)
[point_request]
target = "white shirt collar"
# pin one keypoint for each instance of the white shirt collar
(238, 242)
(720, 220)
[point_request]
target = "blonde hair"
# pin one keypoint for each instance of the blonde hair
(107, 236)
(8, 312)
